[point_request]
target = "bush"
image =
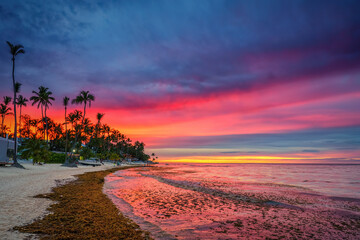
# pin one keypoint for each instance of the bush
(56, 158)
(86, 153)
(114, 156)
(34, 149)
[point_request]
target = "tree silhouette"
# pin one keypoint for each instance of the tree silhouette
(14, 51)
(43, 98)
(86, 98)
(99, 116)
(21, 101)
(5, 110)
(66, 103)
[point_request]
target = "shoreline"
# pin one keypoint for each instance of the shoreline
(189, 203)
(19, 186)
(100, 204)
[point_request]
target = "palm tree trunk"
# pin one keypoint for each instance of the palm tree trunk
(46, 122)
(20, 124)
(15, 125)
(82, 122)
(42, 120)
(84, 113)
(16, 164)
(66, 142)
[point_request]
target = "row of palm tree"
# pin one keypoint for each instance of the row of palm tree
(83, 136)
(99, 138)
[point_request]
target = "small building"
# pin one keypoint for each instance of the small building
(6, 147)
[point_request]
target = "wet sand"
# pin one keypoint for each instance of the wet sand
(168, 202)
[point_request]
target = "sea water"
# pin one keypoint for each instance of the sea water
(241, 201)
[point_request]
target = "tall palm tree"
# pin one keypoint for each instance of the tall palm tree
(4, 111)
(21, 101)
(66, 103)
(43, 98)
(84, 97)
(14, 51)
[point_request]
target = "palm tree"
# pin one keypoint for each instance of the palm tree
(73, 118)
(88, 129)
(21, 101)
(4, 111)
(84, 97)
(34, 123)
(65, 103)
(14, 51)
(99, 116)
(43, 98)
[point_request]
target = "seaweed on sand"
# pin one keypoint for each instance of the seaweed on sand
(83, 211)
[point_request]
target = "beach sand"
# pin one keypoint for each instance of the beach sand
(18, 186)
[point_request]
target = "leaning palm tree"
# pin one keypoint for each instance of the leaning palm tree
(66, 103)
(4, 111)
(14, 51)
(21, 101)
(86, 98)
(43, 99)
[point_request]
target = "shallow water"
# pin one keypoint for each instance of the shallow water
(247, 201)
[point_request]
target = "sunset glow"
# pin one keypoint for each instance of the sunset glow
(266, 81)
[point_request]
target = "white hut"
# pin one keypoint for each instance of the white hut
(5, 144)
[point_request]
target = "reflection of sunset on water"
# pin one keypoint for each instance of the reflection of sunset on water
(235, 201)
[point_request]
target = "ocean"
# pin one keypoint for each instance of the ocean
(241, 201)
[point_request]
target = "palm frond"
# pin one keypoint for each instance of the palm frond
(7, 100)
(10, 45)
(20, 51)
(66, 101)
(17, 87)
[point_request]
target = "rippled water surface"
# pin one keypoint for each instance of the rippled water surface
(241, 201)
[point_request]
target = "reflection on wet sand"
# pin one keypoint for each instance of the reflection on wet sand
(184, 204)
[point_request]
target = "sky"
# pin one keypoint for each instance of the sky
(200, 81)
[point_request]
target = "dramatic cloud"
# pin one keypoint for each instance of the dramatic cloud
(194, 69)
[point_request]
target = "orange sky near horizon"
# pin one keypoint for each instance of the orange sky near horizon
(209, 118)
(213, 81)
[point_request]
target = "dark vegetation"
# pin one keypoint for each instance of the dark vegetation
(76, 135)
(82, 211)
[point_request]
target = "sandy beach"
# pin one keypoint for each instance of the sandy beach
(18, 186)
